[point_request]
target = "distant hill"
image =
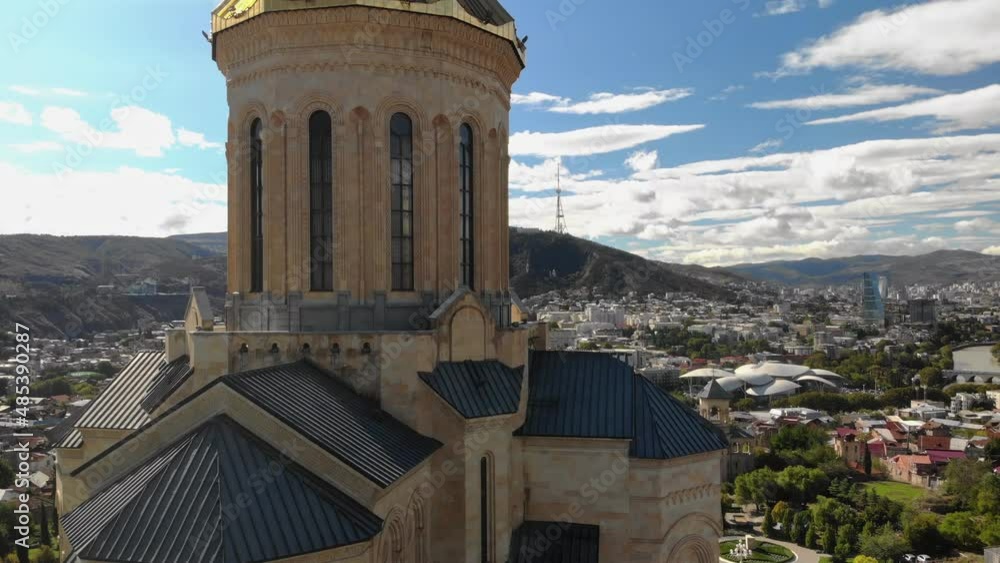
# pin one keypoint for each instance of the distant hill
(542, 261)
(53, 281)
(941, 267)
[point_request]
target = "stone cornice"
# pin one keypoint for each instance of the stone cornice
(684, 496)
(362, 34)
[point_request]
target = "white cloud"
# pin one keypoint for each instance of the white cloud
(831, 202)
(975, 109)
(782, 7)
(945, 37)
(192, 139)
(36, 146)
(603, 102)
(123, 202)
(825, 3)
(130, 128)
(32, 91)
(979, 225)
(15, 113)
(869, 94)
(642, 161)
(592, 140)
(992, 250)
(766, 146)
(726, 92)
(536, 98)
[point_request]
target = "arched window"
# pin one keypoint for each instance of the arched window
(321, 201)
(466, 266)
(256, 207)
(486, 510)
(401, 178)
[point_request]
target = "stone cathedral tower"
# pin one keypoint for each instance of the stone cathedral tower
(368, 394)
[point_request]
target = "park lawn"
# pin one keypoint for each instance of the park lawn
(763, 553)
(899, 492)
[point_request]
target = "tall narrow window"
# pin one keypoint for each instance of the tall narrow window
(256, 207)
(467, 262)
(401, 177)
(485, 507)
(321, 201)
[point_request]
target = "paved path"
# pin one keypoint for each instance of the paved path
(802, 554)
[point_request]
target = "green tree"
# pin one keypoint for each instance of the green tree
(996, 351)
(757, 487)
(961, 529)
(46, 555)
(990, 532)
(107, 370)
(930, 377)
(988, 495)
(921, 530)
(768, 526)
(43, 527)
(864, 559)
(800, 524)
(787, 521)
(845, 542)
(802, 485)
(885, 545)
(962, 480)
(6, 475)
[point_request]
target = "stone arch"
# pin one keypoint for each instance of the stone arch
(416, 529)
(694, 538)
(693, 549)
(467, 330)
(389, 548)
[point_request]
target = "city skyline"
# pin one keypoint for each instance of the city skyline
(725, 132)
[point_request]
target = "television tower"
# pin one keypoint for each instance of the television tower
(560, 216)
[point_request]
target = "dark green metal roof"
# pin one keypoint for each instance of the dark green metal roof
(217, 495)
(579, 395)
(714, 391)
(477, 389)
(350, 427)
(594, 395)
(555, 542)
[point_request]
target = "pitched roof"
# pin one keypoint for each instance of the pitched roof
(348, 426)
(666, 429)
(118, 407)
(179, 506)
(588, 395)
(477, 389)
(714, 391)
(65, 432)
(555, 542)
(579, 395)
(167, 380)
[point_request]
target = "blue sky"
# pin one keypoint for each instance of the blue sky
(712, 132)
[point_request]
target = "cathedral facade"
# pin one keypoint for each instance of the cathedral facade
(373, 391)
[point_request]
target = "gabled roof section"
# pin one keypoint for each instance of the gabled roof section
(179, 506)
(167, 380)
(65, 434)
(477, 389)
(555, 542)
(594, 395)
(665, 428)
(119, 406)
(327, 412)
(714, 391)
(579, 395)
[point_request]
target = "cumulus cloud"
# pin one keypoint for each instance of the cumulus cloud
(603, 102)
(126, 201)
(592, 140)
(32, 91)
(946, 37)
(992, 250)
(830, 202)
(36, 146)
(975, 109)
(134, 128)
(12, 112)
(192, 139)
(866, 95)
(642, 161)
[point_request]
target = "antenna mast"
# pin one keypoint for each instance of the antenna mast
(560, 216)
